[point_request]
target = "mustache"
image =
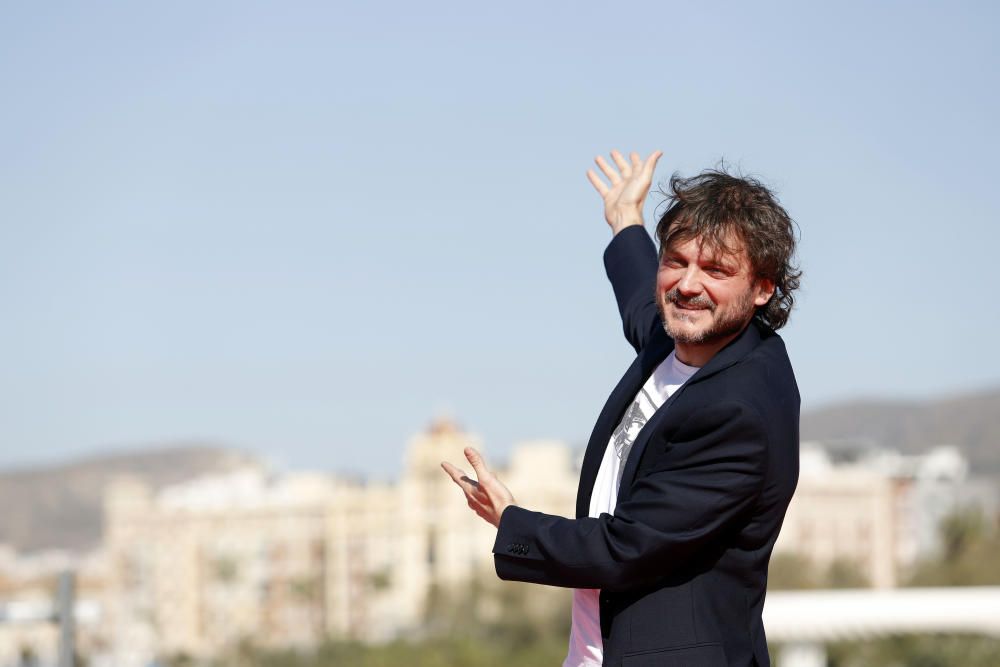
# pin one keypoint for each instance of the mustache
(701, 301)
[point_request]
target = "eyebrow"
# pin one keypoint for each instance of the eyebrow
(720, 260)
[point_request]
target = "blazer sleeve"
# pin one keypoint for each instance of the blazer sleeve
(692, 493)
(631, 262)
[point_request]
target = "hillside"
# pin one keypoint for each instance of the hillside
(969, 421)
(60, 505)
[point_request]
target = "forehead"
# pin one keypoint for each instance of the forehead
(727, 248)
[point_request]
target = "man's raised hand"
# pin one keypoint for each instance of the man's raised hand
(629, 185)
(488, 497)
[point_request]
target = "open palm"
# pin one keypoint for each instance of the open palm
(628, 187)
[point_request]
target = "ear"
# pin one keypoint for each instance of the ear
(763, 291)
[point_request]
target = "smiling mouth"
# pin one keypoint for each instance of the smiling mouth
(690, 305)
(681, 306)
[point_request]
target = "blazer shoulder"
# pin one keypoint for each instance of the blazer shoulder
(763, 379)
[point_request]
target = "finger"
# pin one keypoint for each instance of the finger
(624, 166)
(598, 184)
(470, 486)
(478, 464)
(636, 161)
(608, 170)
(650, 166)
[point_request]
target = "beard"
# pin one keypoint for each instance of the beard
(724, 322)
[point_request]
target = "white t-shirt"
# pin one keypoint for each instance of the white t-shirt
(585, 646)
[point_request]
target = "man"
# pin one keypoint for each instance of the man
(694, 457)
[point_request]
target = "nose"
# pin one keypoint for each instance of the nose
(690, 282)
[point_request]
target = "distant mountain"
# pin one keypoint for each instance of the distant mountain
(60, 506)
(969, 421)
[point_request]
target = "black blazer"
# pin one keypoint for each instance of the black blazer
(682, 564)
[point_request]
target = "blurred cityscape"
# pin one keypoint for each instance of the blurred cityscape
(208, 560)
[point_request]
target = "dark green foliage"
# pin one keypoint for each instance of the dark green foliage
(483, 624)
(794, 572)
(845, 573)
(970, 554)
(917, 651)
(444, 652)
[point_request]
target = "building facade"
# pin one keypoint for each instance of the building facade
(286, 561)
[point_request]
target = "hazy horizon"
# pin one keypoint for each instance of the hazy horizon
(388, 473)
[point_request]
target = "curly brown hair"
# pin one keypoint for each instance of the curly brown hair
(715, 205)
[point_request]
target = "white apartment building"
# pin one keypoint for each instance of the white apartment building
(874, 507)
(287, 560)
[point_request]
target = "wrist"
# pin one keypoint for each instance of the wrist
(505, 508)
(615, 228)
(621, 220)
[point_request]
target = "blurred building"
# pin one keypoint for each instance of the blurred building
(287, 560)
(29, 632)
(208, 563)
(874, 508)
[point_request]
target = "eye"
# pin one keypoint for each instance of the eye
(671, 262)
(723, 270)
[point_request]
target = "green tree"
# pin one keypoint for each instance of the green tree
(790, 571)
(969, 555)
(917, 651)
(845, 573)
(970, 552)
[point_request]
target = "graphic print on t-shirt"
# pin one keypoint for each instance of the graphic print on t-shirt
(630, 425)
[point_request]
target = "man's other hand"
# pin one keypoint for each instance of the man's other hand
(488, 497)
(624, 198)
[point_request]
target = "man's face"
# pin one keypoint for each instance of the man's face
(706, 295)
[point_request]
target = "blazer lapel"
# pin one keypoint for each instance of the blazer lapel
(738, 348)
(620, 399)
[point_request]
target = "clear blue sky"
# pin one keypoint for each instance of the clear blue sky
(306, 229)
